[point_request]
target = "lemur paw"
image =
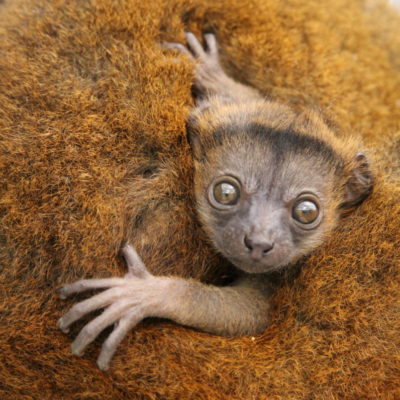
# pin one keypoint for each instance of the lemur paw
(210, 77)
(195, 50)
(126, 300)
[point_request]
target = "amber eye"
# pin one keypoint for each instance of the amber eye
(305, 211)
(225, 192)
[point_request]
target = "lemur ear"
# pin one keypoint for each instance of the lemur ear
(360, 182)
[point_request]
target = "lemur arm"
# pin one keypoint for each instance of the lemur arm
(210, 79)
(232, 310)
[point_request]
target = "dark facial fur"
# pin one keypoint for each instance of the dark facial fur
(275, 170)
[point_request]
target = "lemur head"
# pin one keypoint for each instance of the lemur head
(271, 184)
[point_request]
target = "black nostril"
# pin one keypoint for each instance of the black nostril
(248, 243)
(267, 247)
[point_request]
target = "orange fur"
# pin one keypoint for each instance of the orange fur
(92, 139)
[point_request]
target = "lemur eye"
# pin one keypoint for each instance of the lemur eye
(305, 211)
(225, 192)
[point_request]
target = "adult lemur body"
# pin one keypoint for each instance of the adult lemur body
(270, 184)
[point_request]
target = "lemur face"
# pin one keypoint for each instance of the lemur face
(268, 196)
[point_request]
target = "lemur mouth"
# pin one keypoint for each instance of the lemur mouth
(254, 266)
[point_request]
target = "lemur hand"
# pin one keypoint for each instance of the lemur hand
(126, 301)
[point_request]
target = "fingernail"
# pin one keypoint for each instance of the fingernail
(60, 326)
(61, 293)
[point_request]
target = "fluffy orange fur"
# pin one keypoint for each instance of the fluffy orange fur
(92, 140)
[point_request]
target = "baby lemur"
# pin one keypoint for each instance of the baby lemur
(270, 184)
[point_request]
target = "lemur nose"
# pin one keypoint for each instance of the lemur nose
(258, 248)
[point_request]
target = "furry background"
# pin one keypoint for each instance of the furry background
(93, 151)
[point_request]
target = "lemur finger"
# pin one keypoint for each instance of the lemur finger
(194, 45)
(117, 335)
(90, 331)
(134, 262)
(88, 284)
(212, 44)
(178, 46)
(84, 307)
